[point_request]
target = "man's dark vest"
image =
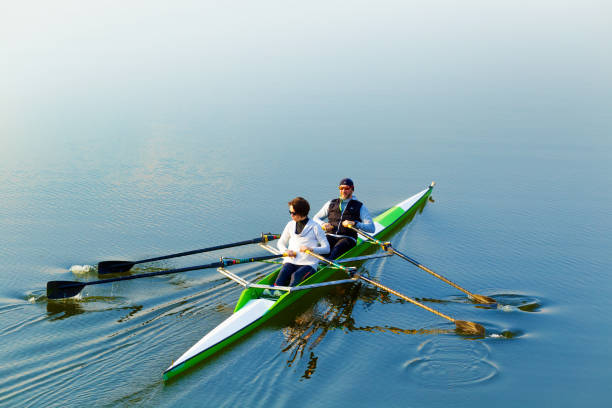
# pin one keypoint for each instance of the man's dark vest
(350, 213)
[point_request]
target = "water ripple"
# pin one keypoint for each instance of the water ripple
(446, 362)
(510, 302)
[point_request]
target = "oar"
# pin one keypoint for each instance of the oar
(106, 267)
(463, 326)
(67, 289)
(387, 246)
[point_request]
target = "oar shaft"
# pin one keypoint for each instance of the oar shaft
(379, 285)
(426, 269)
(327, 261)
(146, 275)
(481, 298)
(262, 238)
(462, 326)
(399, 295)
(218, 264)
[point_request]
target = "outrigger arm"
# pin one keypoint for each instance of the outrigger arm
(248, 284)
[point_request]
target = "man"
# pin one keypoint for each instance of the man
(342, 213)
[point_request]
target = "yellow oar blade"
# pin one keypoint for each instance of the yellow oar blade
(482, 299)
(469, 328)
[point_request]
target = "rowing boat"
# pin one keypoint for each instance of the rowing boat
(254, 308)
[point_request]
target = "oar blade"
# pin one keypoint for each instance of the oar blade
(483, 299)
(63, 289)
(106, 267)
(469, 328)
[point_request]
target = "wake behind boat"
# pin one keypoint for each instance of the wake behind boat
(254, 308)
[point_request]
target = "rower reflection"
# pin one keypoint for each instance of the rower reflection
(335, 312)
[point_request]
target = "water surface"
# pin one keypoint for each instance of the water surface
(135, 131)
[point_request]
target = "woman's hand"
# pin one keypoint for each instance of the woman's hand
(291, 253)
(304, 248)
(347, 223)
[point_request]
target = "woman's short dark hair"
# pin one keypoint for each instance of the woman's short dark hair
(300, 206)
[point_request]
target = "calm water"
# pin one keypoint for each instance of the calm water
(135, 131)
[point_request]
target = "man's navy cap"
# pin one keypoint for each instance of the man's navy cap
(346, 182)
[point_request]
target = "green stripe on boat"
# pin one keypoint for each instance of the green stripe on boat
(388, 217)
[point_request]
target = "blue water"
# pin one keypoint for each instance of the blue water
(135, 131)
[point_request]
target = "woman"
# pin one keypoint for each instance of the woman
(299, 235)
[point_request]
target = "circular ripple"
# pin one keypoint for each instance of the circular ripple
(450, 363)
(453, 348)
(435, 373)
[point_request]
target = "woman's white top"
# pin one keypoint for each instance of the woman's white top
(312, 236)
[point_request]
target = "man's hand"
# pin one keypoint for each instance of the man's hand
(304, 248)
(291, 253)
(327, 227)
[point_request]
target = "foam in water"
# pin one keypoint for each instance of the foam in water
(78, 269)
